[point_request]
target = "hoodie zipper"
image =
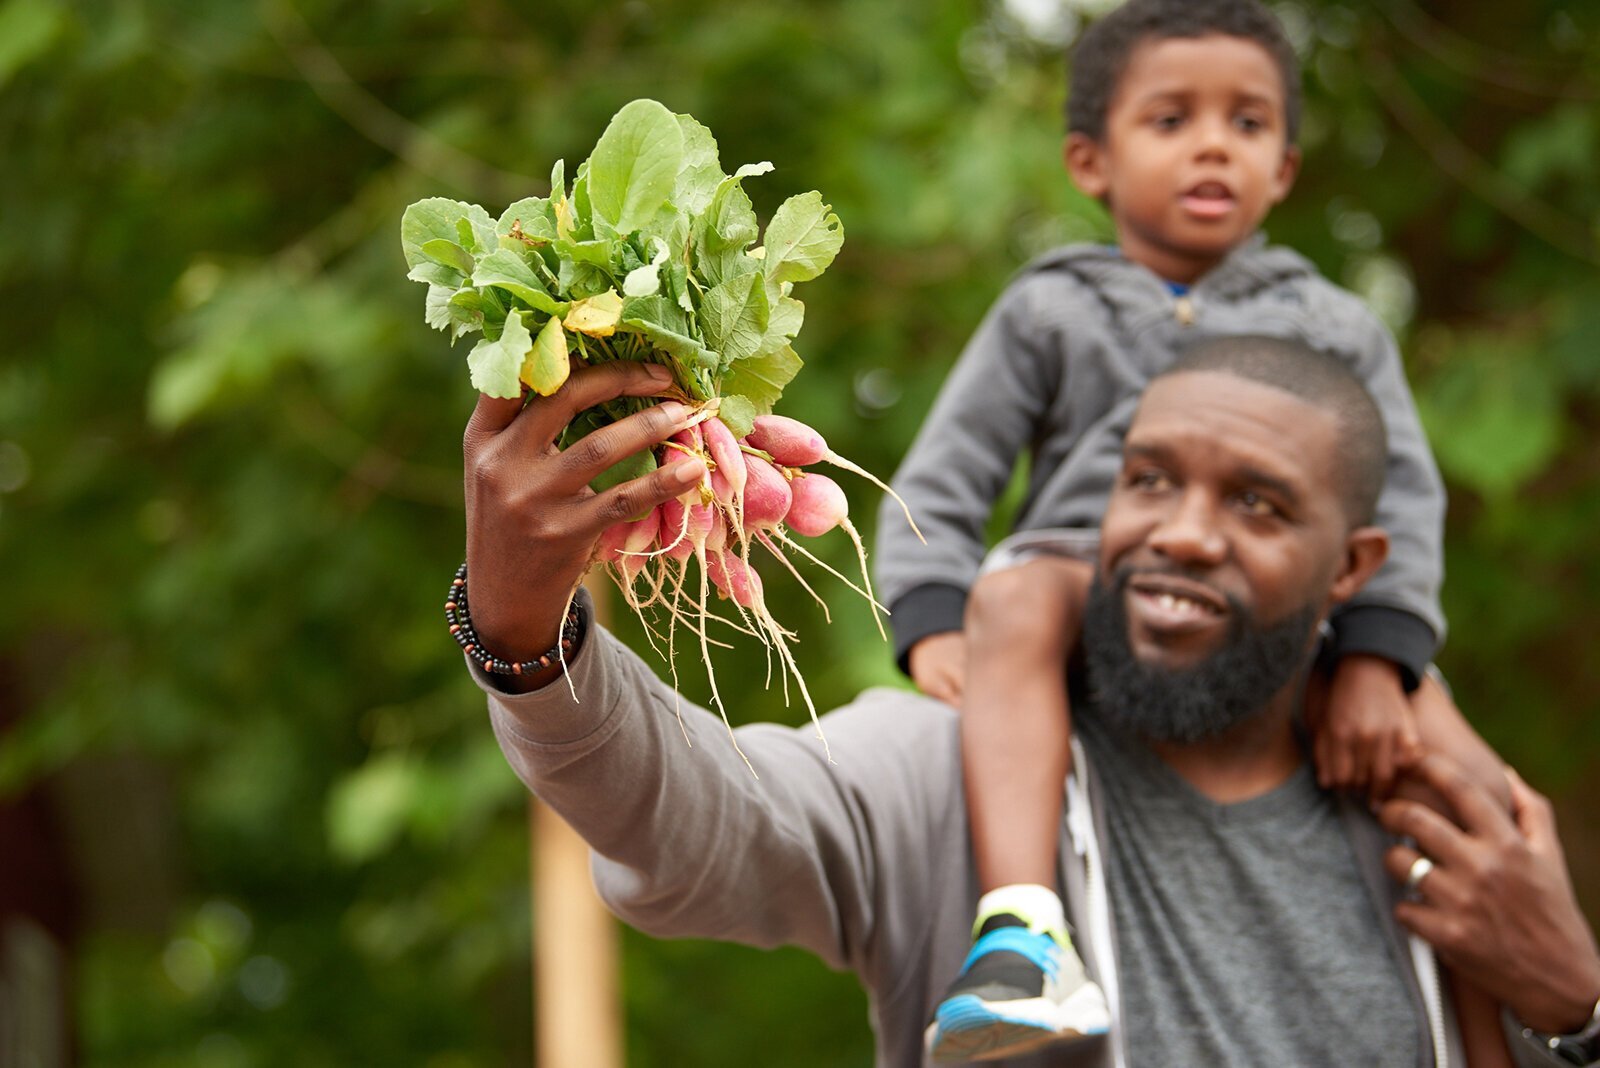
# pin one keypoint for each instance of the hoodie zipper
(1183, 310)
(1080, 826)
(1427, 966)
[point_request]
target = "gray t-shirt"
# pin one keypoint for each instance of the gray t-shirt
(1247, 881)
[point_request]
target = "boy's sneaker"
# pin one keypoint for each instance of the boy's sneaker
(1020, 988)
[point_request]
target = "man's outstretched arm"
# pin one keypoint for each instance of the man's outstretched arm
(692, 842)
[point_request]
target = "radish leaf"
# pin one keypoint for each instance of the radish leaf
(506, 270)
(596, 316)
(802, 239)
(734, 317)
(783, 324)
(448, 254)
(495, 365)
(738, 414)
(762, 378)
(534, 217)
(546, 366)
(635, 165)
(700, 173)
(433, 219)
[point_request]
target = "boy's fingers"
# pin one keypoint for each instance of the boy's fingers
(1343, 764)
(589, 386)
(1383, 762)
(1363, 762)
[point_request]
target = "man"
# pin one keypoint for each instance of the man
(1233, 912)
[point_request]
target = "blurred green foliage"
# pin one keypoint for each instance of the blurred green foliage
(229, 497)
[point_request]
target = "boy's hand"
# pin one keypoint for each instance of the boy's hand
(1365, 729)
(939, 666)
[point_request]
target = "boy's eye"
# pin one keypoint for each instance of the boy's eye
(1167, 121)
(1249, 123)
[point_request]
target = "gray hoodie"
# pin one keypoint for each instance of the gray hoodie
(1056, 369)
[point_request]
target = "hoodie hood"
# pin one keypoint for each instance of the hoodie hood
(1131, 290)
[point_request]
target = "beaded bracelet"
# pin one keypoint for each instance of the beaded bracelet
(460, 619)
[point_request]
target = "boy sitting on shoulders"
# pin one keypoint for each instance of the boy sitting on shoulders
(1182, 120)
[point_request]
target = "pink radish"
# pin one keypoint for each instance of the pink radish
(753, 494)
(735, 579)
(623, 544)
(788, 441)
(793, 444)
(684, 529)
(716, 538)
(819, 506)
(767, 496)
(725, 453)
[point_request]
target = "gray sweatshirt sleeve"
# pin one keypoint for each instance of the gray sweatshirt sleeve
(1397, 614)
(987, 412)
(689, 842)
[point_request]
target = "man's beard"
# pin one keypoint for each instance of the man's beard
(1186, 705)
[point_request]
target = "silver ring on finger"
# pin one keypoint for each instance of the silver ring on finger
(1419, 871)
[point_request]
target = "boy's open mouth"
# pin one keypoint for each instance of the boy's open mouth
(1208, 200)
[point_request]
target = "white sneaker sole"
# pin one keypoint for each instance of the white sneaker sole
(969, 1028)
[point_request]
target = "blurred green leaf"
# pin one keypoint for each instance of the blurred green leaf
(28, 28)
(1560, 144)
(369, 808)
(1494, 417)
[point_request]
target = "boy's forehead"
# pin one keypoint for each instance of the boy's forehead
(1217, 62)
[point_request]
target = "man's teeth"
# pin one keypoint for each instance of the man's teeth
(1173, 603)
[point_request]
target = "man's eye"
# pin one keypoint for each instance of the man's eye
(1255, 504)
(1149, 480)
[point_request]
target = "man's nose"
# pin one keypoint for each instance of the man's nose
(1190, 532)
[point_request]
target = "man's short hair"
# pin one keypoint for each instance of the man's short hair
(1100, 57)
(1322, 380)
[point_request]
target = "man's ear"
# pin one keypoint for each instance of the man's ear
(1288, 170)
(1085, 162)
(1365, 550)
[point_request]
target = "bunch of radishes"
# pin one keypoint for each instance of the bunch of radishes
(757, 493)
(653, 253)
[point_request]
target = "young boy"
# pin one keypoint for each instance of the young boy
(1182, 118)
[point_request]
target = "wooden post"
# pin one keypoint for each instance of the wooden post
(577, 1012)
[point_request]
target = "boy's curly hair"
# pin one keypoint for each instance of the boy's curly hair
(1100, 56)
